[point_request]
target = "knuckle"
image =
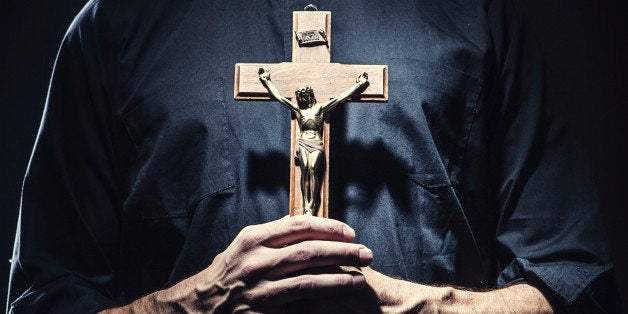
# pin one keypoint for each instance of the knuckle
(250, 268)
(240, 238)
(344, 280)
(301, 224)
(304, 284)
(351, 253)
(304, 253)
(245, 230)
(246, 242)
(250, 237)
(336, 229)
(249, 296)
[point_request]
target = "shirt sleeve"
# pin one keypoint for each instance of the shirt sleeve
(549, 233)
(67, 240)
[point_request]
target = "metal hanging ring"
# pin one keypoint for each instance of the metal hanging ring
(310, 6)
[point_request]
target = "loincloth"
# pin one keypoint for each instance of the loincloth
(311, 145)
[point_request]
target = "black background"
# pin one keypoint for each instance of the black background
(585, 45)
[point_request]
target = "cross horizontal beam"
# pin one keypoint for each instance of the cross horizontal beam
(327, 79)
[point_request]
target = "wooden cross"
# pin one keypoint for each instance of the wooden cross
(310, 66)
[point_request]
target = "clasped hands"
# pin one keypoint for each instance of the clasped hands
(270, 265)
(300, 261)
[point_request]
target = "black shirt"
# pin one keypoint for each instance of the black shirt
(145, 167)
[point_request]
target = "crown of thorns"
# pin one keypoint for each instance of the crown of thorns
(305, 90)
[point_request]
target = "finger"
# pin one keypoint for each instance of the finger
(273, 293)
(291, 230)
(312, 254)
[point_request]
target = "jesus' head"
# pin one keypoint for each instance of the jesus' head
(305, 97)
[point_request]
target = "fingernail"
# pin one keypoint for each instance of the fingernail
(348, 231)
(358, 280)
(365, 255)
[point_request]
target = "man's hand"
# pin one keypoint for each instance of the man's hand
(384, 294)
(265, 267)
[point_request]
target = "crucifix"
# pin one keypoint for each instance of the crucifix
(312, 76)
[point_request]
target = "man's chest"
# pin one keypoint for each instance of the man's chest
(205, 164)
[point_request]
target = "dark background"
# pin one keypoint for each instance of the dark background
(585, 44)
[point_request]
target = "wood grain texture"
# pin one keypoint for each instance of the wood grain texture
(307, 21)
(327, 79)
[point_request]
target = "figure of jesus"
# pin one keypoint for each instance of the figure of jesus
(310, 153)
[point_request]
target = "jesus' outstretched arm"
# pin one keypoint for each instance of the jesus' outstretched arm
(264, 77)
(360, 83)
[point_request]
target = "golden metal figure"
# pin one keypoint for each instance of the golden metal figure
(311, 150)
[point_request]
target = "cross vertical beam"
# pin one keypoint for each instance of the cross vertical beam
(306, 21)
